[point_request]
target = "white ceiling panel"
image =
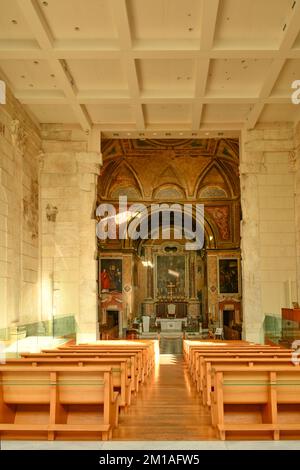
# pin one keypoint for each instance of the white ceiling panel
(279, 112)
(251, 23)
(98, 74)
(53, 113)
(79, 19)
(237, 77)
(165, 19)
(177, 75)
(218, 113)
(289, 73)
(30, 74)
(12, 22)
(110, 113)
(167, 113)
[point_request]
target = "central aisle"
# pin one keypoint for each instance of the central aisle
(168, 407)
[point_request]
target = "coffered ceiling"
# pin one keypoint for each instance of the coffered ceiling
(153, 67)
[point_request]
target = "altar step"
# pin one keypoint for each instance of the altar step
(170, 343)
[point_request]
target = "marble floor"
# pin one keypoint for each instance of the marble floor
(150, 445)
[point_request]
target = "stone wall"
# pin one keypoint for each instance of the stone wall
(20, 145)
(268, 225)
(69, 256)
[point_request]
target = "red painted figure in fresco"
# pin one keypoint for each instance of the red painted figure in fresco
(105, 281)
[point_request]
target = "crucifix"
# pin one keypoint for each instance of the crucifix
(170, 288)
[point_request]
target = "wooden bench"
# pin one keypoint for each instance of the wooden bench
(194, 351)
(256, 401)
(197, 371)
(259, 362)
(56, 402)
(144, 356)
(147, 350)
(136, 359)
(121, 374)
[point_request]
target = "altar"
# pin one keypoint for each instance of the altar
(170, 325)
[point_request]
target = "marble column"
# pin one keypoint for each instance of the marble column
(88, 164)
(252, 164)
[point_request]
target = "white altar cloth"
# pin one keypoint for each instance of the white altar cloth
(167, 324)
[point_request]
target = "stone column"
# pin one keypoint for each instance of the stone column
(252, 164)
(88, 164)
(295, 167)
(3, 258)
(18, 138)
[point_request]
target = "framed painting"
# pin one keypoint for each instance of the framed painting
(110, 275)
(228, 269)
(170, 275)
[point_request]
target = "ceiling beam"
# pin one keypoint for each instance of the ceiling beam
(120, 13)
(290, 31)
(44, 38)
(209, 13)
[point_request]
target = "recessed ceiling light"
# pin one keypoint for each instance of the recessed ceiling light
(14, 21)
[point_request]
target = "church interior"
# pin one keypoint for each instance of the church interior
(149, 222)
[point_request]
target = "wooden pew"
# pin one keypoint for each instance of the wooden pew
(135, 356)
(143, 360)
(210, 363)
(198, 371)
(121, 375)
(57, 402)
(134, 370)
(194, 351)
(256, 400)
(146, 350)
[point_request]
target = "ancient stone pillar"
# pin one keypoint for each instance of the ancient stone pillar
(88, 164)
(252, 164)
